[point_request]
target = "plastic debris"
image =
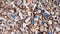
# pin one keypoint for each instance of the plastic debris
(14, 17)
(46, 15)
(33, 22)
(49, 33)
(35, 16)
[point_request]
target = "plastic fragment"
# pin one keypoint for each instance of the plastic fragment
(14, 16)
(33, 22)
(49, 33)
(35, 16)
(46, 15)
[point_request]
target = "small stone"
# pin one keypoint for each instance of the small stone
(50, 22)
(44, 32)
(59, 4)
(24, 25)
(19, 2)
(41, 28)
(57, 29)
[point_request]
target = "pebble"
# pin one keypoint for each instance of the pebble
(21, 15)
(27, 19)
(57, 29)
(49, 22)
(41, 28)
(24, 25)
(59, 4)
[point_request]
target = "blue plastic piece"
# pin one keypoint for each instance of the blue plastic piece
(14, 17)
(49, 33)
(35, 16)
(33, 22)
(46, 15)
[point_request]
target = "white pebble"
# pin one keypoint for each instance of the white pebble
(59, 4)
(57, 29)
(50, 22)
(24, 25)
(39, 11)
(20, 14)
